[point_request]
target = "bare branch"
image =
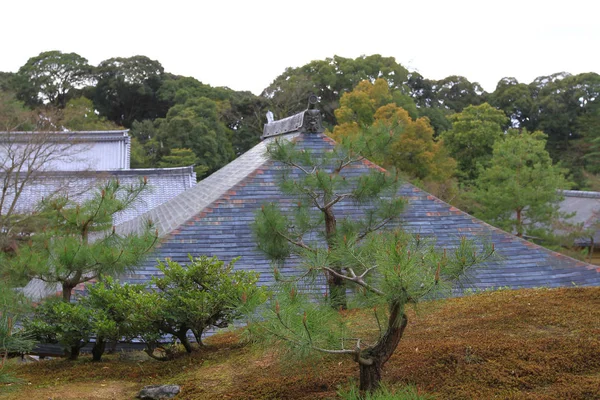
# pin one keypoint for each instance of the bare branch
(357, 280)
(337, 199)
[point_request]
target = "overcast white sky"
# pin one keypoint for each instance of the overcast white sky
(246, 44)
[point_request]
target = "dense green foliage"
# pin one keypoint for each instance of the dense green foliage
(69, 324)
(519, 191)
(207, 293)
(53, 77)
(202, 294)
(472, 137)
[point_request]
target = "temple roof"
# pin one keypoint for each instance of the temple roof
(88, 136)
(215, 217)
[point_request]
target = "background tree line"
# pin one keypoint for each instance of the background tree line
(168, 113)
(447, 130)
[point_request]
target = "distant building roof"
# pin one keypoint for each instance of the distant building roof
(214, 218)
(586, 209)
(85, 160)
(91, 157)
(163, 185)
(84, 150)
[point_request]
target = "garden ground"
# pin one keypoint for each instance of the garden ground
(525, 344)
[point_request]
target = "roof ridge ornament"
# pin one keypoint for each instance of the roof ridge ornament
(308, 121)
(313, 121)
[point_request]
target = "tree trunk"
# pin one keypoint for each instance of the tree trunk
(370, 377)
(73, 353)
(371, 360)
(98, 349)
(337, 291)
(198, 337)
(67, 289)
(337, 288)
(150, 347)
(182, 336)
(519, 222)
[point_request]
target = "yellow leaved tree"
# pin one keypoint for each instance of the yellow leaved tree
(372, 107)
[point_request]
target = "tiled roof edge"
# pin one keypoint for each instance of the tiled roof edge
(175, 212)
(292, 123)
(120, 172)
(498, 230)
(581, 193)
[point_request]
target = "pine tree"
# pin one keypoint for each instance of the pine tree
(387, 269)
(520, 190)
(13, 307)
(389, 272)
(76, 243)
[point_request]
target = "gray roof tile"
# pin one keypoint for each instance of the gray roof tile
(214, 218)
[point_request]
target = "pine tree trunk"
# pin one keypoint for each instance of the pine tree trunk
(337, 288)
(67, 289)
(98, 349)
(371, 360)
(337, 291)
(370, 377)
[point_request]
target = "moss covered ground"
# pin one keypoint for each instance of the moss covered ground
(526, 344)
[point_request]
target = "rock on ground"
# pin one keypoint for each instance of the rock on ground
(158, 392)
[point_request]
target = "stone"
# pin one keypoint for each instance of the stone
(134, 356)
(158, 392)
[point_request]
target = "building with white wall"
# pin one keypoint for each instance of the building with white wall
(36, 165)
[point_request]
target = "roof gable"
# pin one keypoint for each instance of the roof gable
(215, 218)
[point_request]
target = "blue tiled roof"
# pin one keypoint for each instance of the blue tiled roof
(214, 218)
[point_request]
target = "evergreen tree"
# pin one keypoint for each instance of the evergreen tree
(75, 243)
(519, 191)
(69, 324)
(388, 272)
(13, 307)
(205, 293)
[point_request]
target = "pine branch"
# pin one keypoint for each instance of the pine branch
(357, 280)
(372, 229)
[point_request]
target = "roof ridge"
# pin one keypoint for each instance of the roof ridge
(175, 212)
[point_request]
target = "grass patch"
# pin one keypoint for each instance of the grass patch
(526, 344)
